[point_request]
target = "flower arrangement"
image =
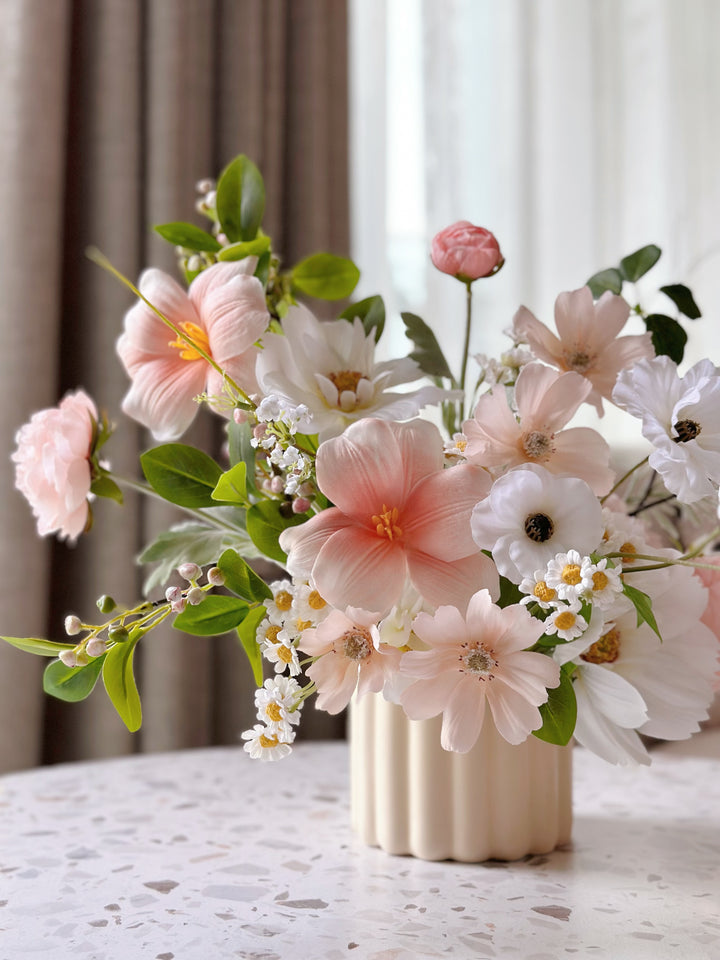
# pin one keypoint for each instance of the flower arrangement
(497, 563)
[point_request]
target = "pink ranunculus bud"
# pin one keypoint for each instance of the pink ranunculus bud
(466, 252)
(52, 464)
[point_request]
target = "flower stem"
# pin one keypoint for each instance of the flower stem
(466, 345)
(624, 477)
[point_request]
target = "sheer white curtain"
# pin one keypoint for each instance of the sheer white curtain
(576, 130)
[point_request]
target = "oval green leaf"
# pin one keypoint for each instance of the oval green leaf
(119, 680)
(427, 351)
(668, 337)
(683, 299)
(559, 713)
(71, 684)
(637, 264)
(245, 248)
(326, 276)
(265, 523)
(189, 236)
(181, 474)
(232, 485)
(41, 648)
(241, 579)
(214, 616)
(240, 199)
(371, 311)
(247, 636)
(610, 279)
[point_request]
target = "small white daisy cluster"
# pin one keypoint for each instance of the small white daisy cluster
(505, 370)
(292, 470)
(278, 703)
(569, 586)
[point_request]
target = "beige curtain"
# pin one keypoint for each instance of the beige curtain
(111, 110)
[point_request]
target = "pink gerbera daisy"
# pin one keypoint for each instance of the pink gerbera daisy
(474, 659)
(223, 312)
(546, 401)
(588, 341)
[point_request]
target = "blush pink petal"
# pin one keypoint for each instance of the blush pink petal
(531, 675)
(420, 452)
(235, 315)
(218, 274)
(428, 664)
(446, 627)
(550, 400)
(356, 567)
(513, 715)
(493, 433)
(582, 452)
(303, 543)
(463, 716)
(336, 679)
(143, 329)
(242, 371)
(545, 345)
(427, 698)
(611, 314)
(161, 396)
(453, 582)
(620, 354)
(435, 519)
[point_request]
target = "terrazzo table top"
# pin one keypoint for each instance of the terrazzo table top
(206, 854)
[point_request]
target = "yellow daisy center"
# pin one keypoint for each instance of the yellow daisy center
(268, 742)
(271, 634)
(628, 547)
(604, 650)
(315, 601)
(283, 600)
(571, 574)
(197, 335)
(284, 653)
(600, 581)
(386, 524)
(274, 711)
(565, 620)
(543, 592)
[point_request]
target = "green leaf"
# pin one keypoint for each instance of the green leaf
(510, 593)
(181, 474)
(637, 264)
(245, 248)
(190, 542)
(42, 648)
(241, 450)
(610, 279)
(232, 485)
(262, 270)
(240, 199)
(326, 276)
(683, 300)
(372, 313)
(668, 337)
(215, 615)
(119, 680)
(559, 713)
(265, 523)
(104, 486)
(71, 684)
(427, 351)
(241, 579)
(189, 236)
(247, 635)
(643, 607)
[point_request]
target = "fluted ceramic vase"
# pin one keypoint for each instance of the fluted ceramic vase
(498, 801)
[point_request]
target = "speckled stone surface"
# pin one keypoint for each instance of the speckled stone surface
(205, 854)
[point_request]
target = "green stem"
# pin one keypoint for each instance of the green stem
(466, 345)
(193, 511)
(624, 477)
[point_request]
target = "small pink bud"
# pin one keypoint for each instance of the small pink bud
(277, 484)
(189, 571)
(195, 596)
(73, 626)
(259, 431)
(240, 416)
(173, 594)
(301, 505)
(69, 658)
(178, 605)
(215, 577)
(96, 647)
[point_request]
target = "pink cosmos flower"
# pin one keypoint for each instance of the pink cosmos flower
(473, 659)
(546, 400)
(397, 514)
(223, 312)
(588, 340)
(52, 464)
(350, 656)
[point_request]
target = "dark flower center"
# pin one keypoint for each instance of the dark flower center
(686, 430)
(356, 644)
(539, 527)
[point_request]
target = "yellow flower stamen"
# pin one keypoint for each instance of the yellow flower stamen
(386, 523)
(284, 653)
(274, 711)
(571, 574)
(604, 650)
(271, 634)
(345, 380)
(315, 601)
(600, 581)
(461, 445)
(198, 335)
(628, 548)
(268, 742)
(543, 592)
(283, 600)
(565, 620)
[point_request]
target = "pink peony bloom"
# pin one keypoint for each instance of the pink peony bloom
(711, 617)
(350, 656)
(466, 252)
(52, 464)
(477, 658)
(223, 311)
(588, 341)
(397, 514)
(546, 400)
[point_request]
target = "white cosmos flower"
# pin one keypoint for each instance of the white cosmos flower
(530, 515)
(330, 367)
(681, 418)
(609, 711)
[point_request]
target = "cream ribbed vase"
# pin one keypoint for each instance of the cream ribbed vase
(496, 802)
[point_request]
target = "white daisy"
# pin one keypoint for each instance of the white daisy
(264, 745)
(309, 607)
(566, 621)
(537, 590)
(278, 609)
(282, 655)
(278, 706)
(681, 418)
(606, 584)
(530, 515)
(330, 367)
(570, 574)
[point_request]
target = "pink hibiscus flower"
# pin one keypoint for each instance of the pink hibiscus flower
(546, 400)
(588, 341)
(473, 659)
(223, 312)
(350, 656)
(398, 514)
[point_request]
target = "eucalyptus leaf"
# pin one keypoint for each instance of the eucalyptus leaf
(241, 579)
(427, 353)
(189, 236)
(119, 679)
(643, 607)
(610, 279)
(247, 632)
(326, 276)
(240, 200)
(559, 713)
(372, 313)
(181, 474)
(668, 337)
(265, 523)
(41, 648)
(72, 684)
(216, 615)
(637, 264)
(683, 299)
